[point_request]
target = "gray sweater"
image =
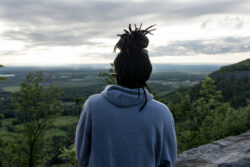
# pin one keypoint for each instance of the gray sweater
(112, 132)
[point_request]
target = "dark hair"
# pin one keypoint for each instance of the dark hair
(132, 64)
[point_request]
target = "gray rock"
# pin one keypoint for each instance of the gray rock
(244, 162)
(230, 151)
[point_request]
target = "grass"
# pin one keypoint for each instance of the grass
(64, 120)
(7, 121)
(69, 103)
(11, 89)
(58, 122)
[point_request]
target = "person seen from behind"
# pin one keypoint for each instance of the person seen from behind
(124, 126)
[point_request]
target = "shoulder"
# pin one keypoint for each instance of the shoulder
(94, 101)
(90, 103)
(160, 109)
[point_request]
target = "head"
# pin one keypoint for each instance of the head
(132, 65)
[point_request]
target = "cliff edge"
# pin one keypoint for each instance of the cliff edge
(232, 151)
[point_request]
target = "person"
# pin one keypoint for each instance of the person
(124, 126)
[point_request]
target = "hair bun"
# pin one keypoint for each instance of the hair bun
(134, 39)
(140, 40)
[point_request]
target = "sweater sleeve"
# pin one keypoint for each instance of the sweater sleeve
(83, 136)
(169, 150)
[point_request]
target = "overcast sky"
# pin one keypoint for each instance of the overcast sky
(63, 32)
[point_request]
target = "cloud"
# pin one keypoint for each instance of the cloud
(72, 23)
(225, 22)
(207, 47)
(85, 30)
(51, 37)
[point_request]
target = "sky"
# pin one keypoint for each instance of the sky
(65, 32)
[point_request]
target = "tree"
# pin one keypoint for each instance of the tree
(1, 117)
(198, 122)
(67, 152)
(210, 99)
(2, 78)
(69, 156)
(39, 104)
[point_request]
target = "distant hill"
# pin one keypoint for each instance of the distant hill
(232, 80)
(241, 66)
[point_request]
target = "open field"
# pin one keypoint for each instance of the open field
(10, 89)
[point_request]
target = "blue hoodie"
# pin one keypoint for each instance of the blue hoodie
(112, 132)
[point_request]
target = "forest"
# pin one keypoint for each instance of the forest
(39, 109)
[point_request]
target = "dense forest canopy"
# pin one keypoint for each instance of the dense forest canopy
(233, 81)
(241, 66)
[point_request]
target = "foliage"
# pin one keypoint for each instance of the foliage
(206, 119)
(233, 82)
(67, 152)
(2, 78)
(85, 82)
(5, 105)
(107, 76)
(1, 118)
(39, 105)
(235, 87)
(69, 156)
(241, 66)
(9, 152)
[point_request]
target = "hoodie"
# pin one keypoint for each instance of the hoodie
(112, 132)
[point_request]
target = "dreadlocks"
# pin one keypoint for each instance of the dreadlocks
(132, 64)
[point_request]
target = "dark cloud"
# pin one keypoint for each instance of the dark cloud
(208, 47)
(52, 37)
(76, 23)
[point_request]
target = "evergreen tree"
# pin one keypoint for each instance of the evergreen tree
(210, 98)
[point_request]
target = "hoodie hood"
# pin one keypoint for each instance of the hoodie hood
(125, 97)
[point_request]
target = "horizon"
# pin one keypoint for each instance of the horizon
(156, 67)
(108, 64)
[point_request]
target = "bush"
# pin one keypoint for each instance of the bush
(16, 122)
(10, 128)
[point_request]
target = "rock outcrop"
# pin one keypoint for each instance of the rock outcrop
(232, 151)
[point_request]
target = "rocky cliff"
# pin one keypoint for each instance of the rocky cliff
(232, 151)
